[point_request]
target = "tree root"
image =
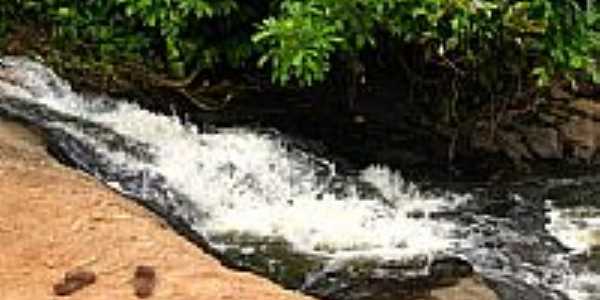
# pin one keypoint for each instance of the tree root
(203, 102)
(198, 97)
(181, 83)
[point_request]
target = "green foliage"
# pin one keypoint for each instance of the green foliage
(301, 45)
(173, 22)
(299, 40)
(8, 13)
(559, 33)
(188, 34)
(571, 42)
(94, 28)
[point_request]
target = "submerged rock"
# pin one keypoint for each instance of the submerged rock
(555, 131)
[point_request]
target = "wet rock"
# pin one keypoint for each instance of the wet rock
(483, 139)
(74, 281)
(498, 207)
(415, 214)
(558, 93)
(448, 271)
(470, 288)
(513, 146)
(544, 142)
(507, 289)
(578, 194)
(448, 277)
(589, 108)
(507, 143)
(559, 130)
(587, 89)
(144, 281)
(581, 136)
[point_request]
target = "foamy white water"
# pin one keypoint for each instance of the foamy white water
(578, 228)
(250, 182)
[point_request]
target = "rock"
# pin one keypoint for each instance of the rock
(469, 288)
(559, 131)
(581, 135)
(587, 89)
(547, 117)
(544, 142)
(448, 271)
(589, 108)
(73, 281)
(558, 93)
(483, 139)
(416, 214)
(512, 145)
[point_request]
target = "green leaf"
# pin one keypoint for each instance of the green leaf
(65, 12)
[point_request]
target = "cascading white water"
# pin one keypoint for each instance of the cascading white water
(251, 182)
(579, 229)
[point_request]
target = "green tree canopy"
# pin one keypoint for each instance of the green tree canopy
(296, 40)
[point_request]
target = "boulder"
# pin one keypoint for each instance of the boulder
(544, 142)
(581, 135)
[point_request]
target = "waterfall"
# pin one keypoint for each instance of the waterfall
(244, 189)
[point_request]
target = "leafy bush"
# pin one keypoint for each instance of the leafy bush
(8, 13)
(299, 40)
(558, 34)
(188, 33)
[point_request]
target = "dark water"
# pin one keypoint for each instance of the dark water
(258, 201)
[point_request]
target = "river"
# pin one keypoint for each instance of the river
(261, 201)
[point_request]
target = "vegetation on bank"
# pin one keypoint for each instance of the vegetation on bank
(467, 49)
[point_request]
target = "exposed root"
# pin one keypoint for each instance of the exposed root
(203, 102)
(182, 83)
(198, 97)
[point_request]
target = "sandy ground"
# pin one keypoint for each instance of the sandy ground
(54, 219)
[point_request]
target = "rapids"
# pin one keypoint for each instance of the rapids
(260, 202)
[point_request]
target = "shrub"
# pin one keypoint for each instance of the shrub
(558, 34)
(188, 34)
(298, 40)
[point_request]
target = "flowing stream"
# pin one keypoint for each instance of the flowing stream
(259, 201)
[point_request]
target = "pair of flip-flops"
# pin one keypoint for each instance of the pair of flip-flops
(144, 281)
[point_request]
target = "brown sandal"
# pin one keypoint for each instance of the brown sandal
(74, 280)
(144, 281)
